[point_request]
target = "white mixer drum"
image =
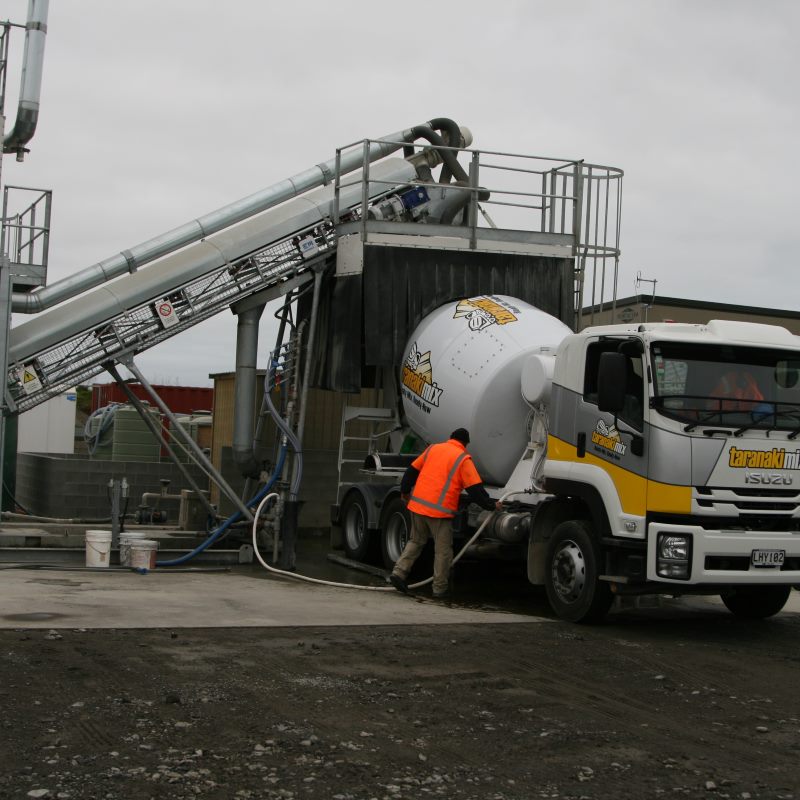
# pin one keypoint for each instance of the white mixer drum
(461, 369)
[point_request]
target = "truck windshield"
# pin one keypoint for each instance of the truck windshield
(727, 385)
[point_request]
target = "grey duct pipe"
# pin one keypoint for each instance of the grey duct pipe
(248, 485)
(245, 391)
(31, 82)
(173, 272)
(131, 260)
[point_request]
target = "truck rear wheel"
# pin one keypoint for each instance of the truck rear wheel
(571, 574)
(354, 527)
(756, 602)
(395, 531)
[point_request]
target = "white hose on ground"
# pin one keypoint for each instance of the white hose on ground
(288, 574)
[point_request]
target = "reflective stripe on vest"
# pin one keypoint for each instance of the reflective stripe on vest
(439, 506)
(424, 456)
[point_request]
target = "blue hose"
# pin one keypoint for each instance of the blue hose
(233, 518)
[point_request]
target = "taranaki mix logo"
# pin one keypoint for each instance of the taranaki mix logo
(418, 383)
(777, 458)
(606, 437)
(481, 312)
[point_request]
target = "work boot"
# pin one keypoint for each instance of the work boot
(398, 583)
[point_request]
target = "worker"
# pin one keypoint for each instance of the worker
(739, 391)
(437, 478)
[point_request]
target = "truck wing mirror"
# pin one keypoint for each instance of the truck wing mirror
(611, 382)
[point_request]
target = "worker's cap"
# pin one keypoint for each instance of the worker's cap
(460, 435)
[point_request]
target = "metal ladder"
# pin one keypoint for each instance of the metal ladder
(378, 419)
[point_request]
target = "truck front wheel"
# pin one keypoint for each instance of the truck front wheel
(756, 602)
(571, 574)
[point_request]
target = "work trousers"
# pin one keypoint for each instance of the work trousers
(440, 529)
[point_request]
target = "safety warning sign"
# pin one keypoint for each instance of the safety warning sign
(166, 313)
(29, 379)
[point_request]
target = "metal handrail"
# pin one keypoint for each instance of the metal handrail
(17, 223)
(572, 198)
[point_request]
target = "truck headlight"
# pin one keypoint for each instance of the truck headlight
(674, 556)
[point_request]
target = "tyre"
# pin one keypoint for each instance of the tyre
(355, 533)
(571, 574)
(395, 530)
(756, 602)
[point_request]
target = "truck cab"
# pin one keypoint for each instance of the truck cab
(672, 464)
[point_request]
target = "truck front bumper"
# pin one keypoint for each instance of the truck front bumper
(726, 557)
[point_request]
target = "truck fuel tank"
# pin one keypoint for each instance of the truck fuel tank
(462, 368)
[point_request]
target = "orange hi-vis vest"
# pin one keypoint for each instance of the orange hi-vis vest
(737, 387)
(444, 471)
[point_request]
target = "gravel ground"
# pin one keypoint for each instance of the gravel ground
(652, 704)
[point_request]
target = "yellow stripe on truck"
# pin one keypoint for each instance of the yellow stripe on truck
(637, 495)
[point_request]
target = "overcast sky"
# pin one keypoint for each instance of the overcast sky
(155, 112)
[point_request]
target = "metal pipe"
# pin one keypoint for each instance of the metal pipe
(244, 396)
(31, 83)
(312, 332)
(174, 272)
(193, 446)
(248, 485)
(157, 497)
(130, 260)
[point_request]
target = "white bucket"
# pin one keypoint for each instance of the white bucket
(98, 548)
(143, 554)
(125, 540)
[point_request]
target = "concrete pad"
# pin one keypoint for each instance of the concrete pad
(64, 599)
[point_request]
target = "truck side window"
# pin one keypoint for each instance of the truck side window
(592, 365)
(633, 411)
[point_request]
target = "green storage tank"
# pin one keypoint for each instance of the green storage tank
(128, 438)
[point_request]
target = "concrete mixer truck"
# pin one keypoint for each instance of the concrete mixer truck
(655, 458)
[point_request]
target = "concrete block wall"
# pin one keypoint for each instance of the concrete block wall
(75, 486)
(70, 486)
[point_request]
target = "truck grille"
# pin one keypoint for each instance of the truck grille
(743, 502)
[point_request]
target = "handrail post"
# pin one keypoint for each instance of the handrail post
(472, 213)
(364, 192)
(46, 237)
(577, 218)
(337, 185)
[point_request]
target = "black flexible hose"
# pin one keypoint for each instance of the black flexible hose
(448, 159)
(447, 156)
(450, 127)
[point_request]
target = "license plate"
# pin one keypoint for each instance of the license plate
(767, 558)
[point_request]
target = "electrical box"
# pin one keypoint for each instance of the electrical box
(50, 426)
